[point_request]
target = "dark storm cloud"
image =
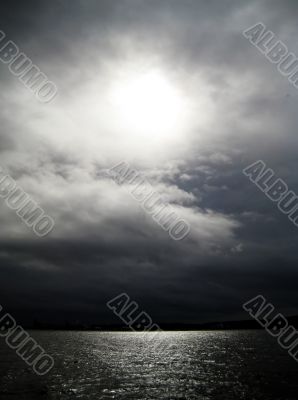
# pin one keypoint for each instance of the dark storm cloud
(103, 244)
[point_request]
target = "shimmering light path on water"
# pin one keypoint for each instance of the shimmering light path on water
(200, 365)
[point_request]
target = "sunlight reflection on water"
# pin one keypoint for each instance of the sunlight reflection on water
(199, 365)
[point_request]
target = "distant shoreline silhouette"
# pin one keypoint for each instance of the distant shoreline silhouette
(225, 325)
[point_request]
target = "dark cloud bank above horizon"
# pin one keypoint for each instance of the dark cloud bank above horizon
(103, 243)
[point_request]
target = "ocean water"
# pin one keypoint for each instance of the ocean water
(191, 365)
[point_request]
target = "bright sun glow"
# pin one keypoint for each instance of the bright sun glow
(149, 106)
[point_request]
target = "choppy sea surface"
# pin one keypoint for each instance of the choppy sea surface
(188, 365)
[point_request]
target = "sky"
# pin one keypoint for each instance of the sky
(175, 90)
